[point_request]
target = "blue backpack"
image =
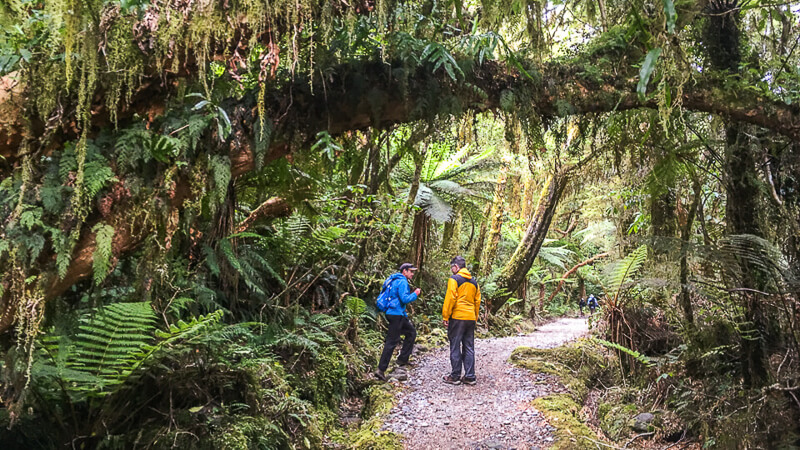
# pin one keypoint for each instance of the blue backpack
(385, 297)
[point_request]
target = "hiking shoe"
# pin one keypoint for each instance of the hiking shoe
(469, 381)
(450, 380)
(380, 375)
(406, 365)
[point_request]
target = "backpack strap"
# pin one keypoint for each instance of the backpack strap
(461, 280)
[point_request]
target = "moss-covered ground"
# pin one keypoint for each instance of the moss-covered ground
(579, 367)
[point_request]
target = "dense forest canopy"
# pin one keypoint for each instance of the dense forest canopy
(216, 190)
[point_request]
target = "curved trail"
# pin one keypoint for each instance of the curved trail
(494, 414)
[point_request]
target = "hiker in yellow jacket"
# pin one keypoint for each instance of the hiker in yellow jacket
(459, 314)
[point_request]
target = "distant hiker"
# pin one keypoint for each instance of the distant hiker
(459, 314)
(582, 304)
(592, 303)
(395, 295)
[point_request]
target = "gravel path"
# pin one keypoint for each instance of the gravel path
(494, 414)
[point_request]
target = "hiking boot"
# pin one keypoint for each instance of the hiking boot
(405, 365)
(380, 375)
(469, 381)
(450, 380)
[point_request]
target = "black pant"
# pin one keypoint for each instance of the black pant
(398, 325)
(461, 334)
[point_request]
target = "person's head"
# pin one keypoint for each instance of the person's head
(457, 264)
(407, 269)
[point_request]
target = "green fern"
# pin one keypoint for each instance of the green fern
(220, 167)
(437, 55)
(101, 259)
(103, 352)
(738, 254)
(621, 272)
(646, 360)
(129, 147)
(111, 347)
(328, 235)
(325, 322)
(355, 306)
(97, 175)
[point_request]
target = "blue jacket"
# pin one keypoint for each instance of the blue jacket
(401, 295)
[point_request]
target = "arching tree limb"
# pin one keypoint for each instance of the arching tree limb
(270, 209)
(346, 105)
(571, 271)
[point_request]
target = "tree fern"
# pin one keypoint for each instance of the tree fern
(621, 272)
(555, 256)
(737, 254)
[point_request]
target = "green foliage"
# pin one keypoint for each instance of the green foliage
(621, 272)
(101, 259)
(439, 57)
(220, 167)
(646, 71)
(326, 145)
(620, 348)
(110, 346)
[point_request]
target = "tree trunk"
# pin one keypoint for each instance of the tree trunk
(526, 198)
(742, 218)
(419, 238)
(663, 220)
(412, 197)
(686, 234)
(495, 230)
(522, 259)
(455, 241)
(723, 39)
(477, 249)
(447, 233)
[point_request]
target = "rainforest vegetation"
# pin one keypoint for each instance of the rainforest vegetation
(200, 200)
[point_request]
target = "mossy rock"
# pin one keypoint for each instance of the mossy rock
(561, 411)
(615, 419)
(579, 365)
(379, 400)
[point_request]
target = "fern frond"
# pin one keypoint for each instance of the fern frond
(647, 361)
(221, 169)
(112, 345)
(101, 259)
(622, 271)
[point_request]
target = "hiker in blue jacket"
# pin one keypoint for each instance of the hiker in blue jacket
(400, 295)
(592, 303)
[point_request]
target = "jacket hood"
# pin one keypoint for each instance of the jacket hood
(465, 273)
(395, 276)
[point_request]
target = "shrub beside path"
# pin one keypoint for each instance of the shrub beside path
(494, 414)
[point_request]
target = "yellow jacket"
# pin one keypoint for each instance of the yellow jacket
(463, 297)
